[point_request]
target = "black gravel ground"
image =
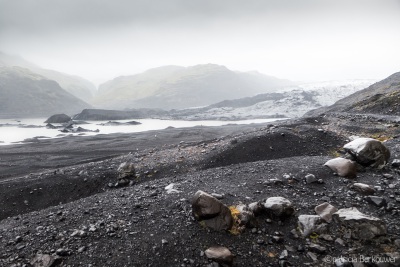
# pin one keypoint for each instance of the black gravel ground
(98, 224)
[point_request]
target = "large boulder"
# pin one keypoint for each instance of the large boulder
(362, 226)
(368, 152)
(343, 167)
(211, 211)
(279, 206)
(58, 118)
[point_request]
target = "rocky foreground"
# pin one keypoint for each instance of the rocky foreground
(260, 196)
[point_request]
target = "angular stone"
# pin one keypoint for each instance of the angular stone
(171, 189)
(44, 260)
(310, 178)
(363, 188)
(246, 216)
(396, 163)
(325, 211)
(126, 170)
(211, 211)
(310, 223)
(256, 207)
(343, 167)
(361, 226)
(368, 152)
(317, 248)
(279, 206)
(222, 255)
(312, 256)
(377, 201)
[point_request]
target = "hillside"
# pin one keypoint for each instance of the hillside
(24, 93)
(75, 85)
(174, 87)
(382, 97)
(288, 103)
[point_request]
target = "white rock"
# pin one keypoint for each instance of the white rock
(362, 226)
(170, 189)
(279, 206)
(368, 152)
(309, 224)
(343, 167)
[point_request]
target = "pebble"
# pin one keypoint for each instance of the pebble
(317, 248)
(388, 176)
(340, 241)
(310, 178)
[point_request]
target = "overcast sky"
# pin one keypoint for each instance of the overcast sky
(294, 39)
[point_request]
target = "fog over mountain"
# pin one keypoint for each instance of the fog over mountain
(304, 40)
(75, 85)
(24, 93)
(174, 87)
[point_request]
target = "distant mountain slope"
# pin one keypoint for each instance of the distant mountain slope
(179, 87)
(75, 85)
(24, 93)
(382, 97)
(288, 103)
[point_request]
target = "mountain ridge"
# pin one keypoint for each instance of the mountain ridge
(382, 97)
(28, 94)
(73, 84)
(172, 86)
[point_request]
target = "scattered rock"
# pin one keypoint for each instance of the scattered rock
(309, 224)
(279, 206)
(340, 242)
(45, 260)
(170, 189)
(317, 248)
(362, 226)
(368, 152)
(222, 255)
(126, 172)
(256, 207)
(211, 211)
(396, 163)
(246, 216)
(343, 167)
(310, 178)
(312, 256)
(325, 211)
(363, 188)
(326, 237)
(377, 201)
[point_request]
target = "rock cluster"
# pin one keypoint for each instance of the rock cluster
(363, 151)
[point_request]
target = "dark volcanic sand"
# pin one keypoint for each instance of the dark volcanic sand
(127, 226)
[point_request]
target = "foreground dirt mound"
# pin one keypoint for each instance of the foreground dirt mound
(277, 142)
